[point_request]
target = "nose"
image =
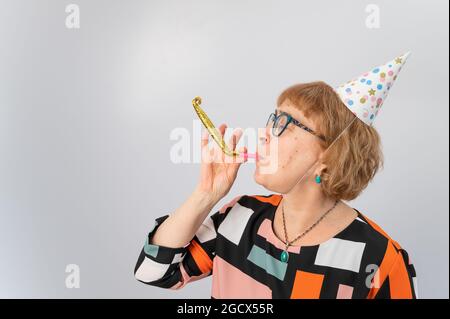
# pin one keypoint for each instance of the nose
(265, 138)
(263, 143)
(268, 132)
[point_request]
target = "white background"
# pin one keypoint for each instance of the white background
(86, 114)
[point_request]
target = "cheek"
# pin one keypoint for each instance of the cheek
(292, 159)
(289, 153)
(295, 159)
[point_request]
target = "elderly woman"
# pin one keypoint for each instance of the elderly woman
(302, 241)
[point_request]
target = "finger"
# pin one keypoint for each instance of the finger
(222, 129)
(205, 153)
(234, 139)
(205, 138)
(220, 156)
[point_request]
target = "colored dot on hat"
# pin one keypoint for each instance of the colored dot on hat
(379, 86)
(376, 70)
(363, 80)
(369, 82)
(391, 73)
(383, 75)
(362, 100)
(372, 116)
(350, 102)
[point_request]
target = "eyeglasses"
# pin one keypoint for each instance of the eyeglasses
(281, 121)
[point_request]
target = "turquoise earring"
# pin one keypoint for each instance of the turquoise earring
(318, 179)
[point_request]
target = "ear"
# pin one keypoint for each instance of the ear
(320, 166)
(319, 169)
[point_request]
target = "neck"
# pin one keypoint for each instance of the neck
(305, 204)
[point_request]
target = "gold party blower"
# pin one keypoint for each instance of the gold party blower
(217, 137)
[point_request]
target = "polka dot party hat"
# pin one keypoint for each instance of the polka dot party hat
(365, 95)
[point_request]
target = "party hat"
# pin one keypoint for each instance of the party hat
(365, 95)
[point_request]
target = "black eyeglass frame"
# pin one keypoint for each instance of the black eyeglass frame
(274, 117)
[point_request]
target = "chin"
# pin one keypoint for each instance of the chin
(271, 182)
(264, 180)
(260, 179)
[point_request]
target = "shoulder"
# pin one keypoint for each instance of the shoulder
(395, 269)
(380, 248)
(373, 234)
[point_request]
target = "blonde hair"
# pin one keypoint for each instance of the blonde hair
(355, 157)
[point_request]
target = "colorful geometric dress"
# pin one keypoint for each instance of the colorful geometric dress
(238, 247)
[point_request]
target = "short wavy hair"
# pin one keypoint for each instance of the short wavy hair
(356, 156)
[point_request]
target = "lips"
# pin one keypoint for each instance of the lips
(261, 160)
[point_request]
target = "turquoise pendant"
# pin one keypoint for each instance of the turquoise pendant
(284, 256)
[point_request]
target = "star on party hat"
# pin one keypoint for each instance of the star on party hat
(365, 95)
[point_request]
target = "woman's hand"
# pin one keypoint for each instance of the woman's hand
(218, 170)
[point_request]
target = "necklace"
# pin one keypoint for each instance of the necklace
(285, 254)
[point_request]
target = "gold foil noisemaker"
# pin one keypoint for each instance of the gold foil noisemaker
(214, 132)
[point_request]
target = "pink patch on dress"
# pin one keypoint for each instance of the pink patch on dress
(344, 292)
(231, 282)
